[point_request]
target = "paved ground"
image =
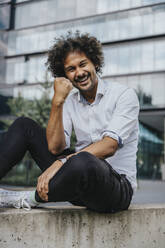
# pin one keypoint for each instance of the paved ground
(149, 191)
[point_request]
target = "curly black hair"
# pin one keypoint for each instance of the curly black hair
(85, 43)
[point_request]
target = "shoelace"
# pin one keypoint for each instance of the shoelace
(22, 203)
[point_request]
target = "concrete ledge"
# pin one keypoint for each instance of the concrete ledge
(142, 226)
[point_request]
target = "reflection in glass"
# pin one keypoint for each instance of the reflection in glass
(134, 57)
(27, 13)
(150, 152)
(150, 88)
(49, 12)
(131, 57)
(33, 70)
(72, 9)
(109, 27)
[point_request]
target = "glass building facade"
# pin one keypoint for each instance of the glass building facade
(133, 38)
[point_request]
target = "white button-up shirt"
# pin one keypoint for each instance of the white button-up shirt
(114, 113)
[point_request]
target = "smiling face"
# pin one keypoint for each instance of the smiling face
(81, 72)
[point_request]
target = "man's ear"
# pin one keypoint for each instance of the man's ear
(96, 68)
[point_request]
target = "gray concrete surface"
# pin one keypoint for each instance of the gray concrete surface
(60, 225)
(149, 191)
(141, 226)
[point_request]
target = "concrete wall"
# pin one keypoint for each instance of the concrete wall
(139, 227)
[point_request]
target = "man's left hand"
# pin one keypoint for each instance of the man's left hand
(43, 180)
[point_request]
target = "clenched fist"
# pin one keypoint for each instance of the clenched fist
(62, 87)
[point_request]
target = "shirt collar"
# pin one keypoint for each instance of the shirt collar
(101, 88)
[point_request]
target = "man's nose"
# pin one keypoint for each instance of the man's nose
(79, 73)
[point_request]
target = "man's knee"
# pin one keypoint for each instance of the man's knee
(21, 121)
(25, 123)
(82, 162)
(24, 127)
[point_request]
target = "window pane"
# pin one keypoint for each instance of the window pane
(15, 70)
(111, 60)
(72, 9)
(147, 2)
(122, 80)
(31, 70)
(3, 43)
(133, 82)
(20, 1)
(125, 4)
(136, 57)
(124, 59)
(150, 88)
(147, 56)
(49, 11)
(28, 92)
(84, 9)
(103, 6)
(109, 27)
(136, 23)
(111, 24)
(158, 90)
(4, 17)
(159, 17)
(114, 5)
(160, 55)
(124, 25)
(147, 21)
(5, 1)
(36, 69)
(2, 70)
(136, 3)
(145, 84)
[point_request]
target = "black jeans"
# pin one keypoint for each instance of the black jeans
(83, 180)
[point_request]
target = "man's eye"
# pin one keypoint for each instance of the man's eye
(82, 65)
(70, 70)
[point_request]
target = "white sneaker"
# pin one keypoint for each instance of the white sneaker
(16, 199)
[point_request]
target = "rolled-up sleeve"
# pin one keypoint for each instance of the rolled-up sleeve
(124, 118)
(67, 123)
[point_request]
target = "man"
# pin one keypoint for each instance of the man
(101, 173)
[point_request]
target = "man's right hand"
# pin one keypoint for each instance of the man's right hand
(62, 87)
(55, 128)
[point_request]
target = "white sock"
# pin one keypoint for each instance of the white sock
(31, 197)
